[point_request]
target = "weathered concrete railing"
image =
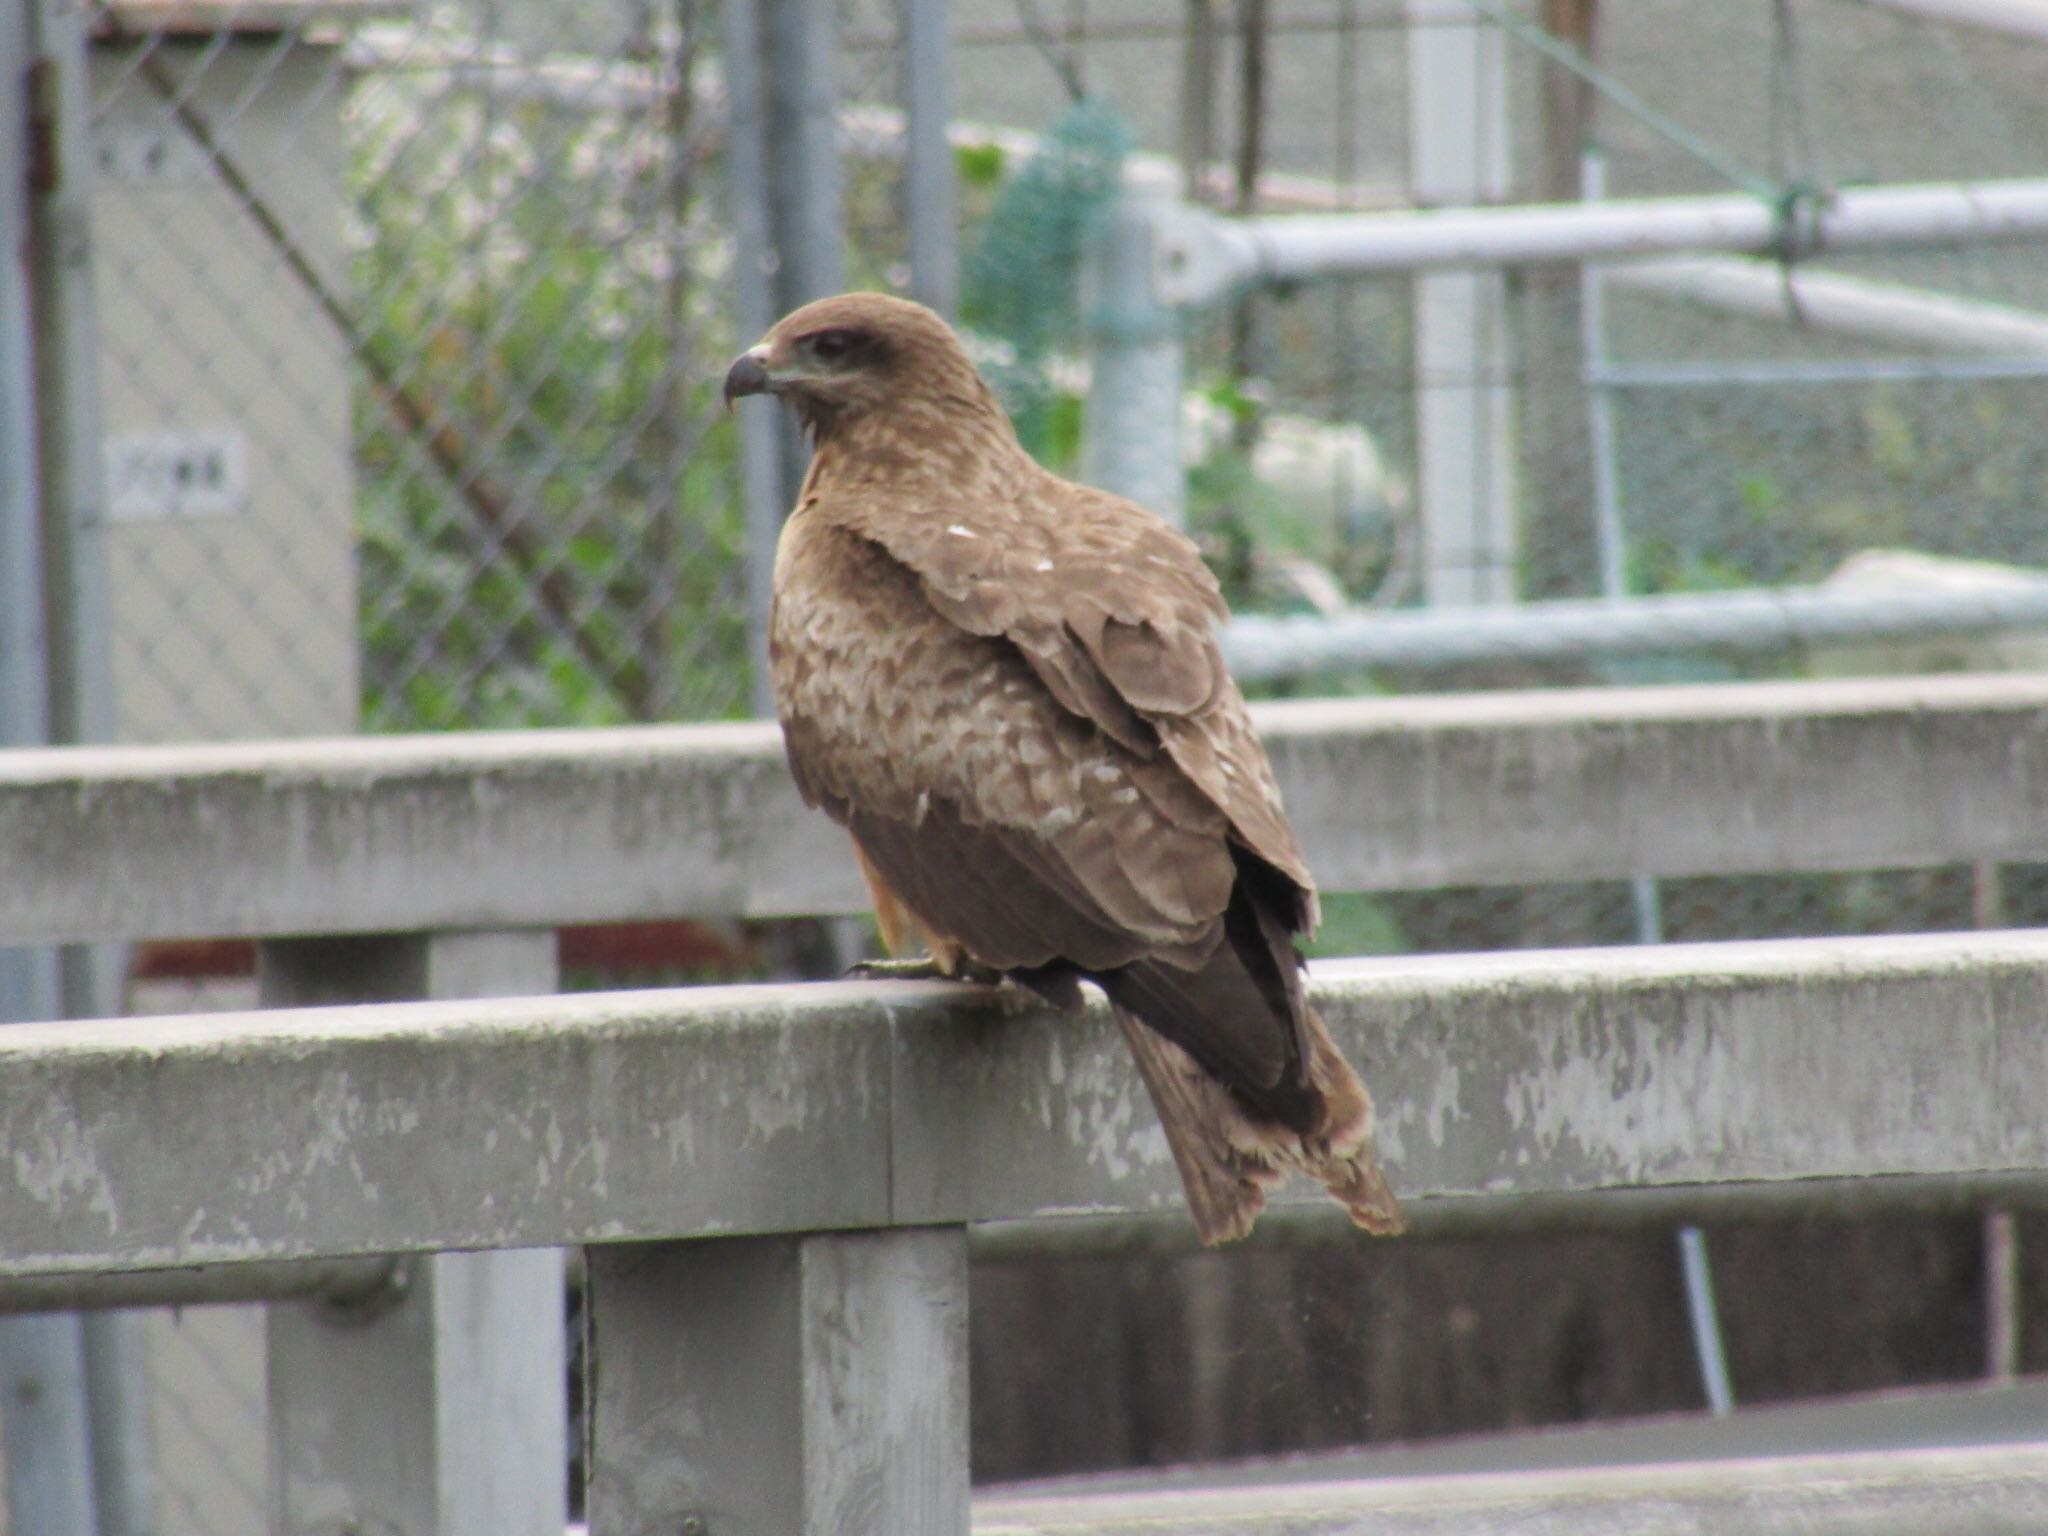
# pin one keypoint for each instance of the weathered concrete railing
(616, 1117)
(817, 1366)
(853, 1132)
(526, 828)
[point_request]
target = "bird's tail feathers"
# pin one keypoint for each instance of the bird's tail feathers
(1226, 1190)
(1228, 1160)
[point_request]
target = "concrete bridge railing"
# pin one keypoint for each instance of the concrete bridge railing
(774, 1187)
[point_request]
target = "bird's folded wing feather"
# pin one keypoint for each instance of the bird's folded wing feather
(1116, 614)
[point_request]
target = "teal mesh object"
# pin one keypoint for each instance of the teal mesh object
(1018, 284)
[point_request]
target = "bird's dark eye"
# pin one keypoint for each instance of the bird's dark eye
(831, 346)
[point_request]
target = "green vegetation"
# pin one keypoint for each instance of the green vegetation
(548, 528)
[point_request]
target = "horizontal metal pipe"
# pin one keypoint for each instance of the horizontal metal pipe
(1774, 373)
(1305, 246)
(1896, 313)
(1262, 648)
(2020, 18)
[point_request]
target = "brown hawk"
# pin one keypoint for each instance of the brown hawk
(1007, 688)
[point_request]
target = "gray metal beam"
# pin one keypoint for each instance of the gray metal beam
(1759, 621)
(596, 1118)
(515, 828)
(1980, 1491)
(931, 214)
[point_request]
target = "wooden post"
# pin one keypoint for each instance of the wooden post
(442, 1409)
(809, 1385)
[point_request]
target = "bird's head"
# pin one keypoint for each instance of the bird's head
(852, 356)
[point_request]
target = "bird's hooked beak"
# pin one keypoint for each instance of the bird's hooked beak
(748, 374)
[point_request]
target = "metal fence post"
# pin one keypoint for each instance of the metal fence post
(443, 1411)
(43, 1399)
(67, 381)
(1136, 359)
(808, 1385)
(28, 978)
(930, 211)
(1458, 155)
(782, 184)
(49, 1469)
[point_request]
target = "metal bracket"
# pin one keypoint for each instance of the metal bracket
(1198, 257)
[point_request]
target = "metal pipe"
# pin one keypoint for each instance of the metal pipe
(43, 1435)
(929, 202)
(117, 1406)
(1600, 403)
(67, 386)
(1706, 1321)
(1786, 618)
(1306, 246)
(764, 497)
(1771, 373)
(28, 978)
(1852, 306)
(1137, 364)
(43, 1413)
(2020, 18)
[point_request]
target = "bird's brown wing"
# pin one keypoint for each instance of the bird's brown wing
(1007, 821)
(1112, 616)
(1115, 613)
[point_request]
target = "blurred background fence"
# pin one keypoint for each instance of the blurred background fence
(411, 321)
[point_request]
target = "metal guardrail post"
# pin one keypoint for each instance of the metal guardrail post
(49, 1472)
(442, 1409)
(1464, 398)
(44, 1411)
(1136, 358)
(804, 1385)
(930, 203)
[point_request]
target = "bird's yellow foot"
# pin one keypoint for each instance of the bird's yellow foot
(927, 969)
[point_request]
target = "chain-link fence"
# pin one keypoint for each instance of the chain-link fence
(412, 322)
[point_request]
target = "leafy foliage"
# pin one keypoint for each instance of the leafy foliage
(549, 532)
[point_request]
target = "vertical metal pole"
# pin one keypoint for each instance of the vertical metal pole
(930, 204)
(49, 1472)
(802, 38)
(117, 1407)
(783, 186)
(1607, 524)
(42, 1359)
(764, 496)
(2002, 1314)
(767, 498)
(67, 381)
(808, 234)
(1709, 1345)
(1136, 357)
(1458, 154)
(80, 641)
(1610, 535)
(28, 978)
(1706, 1327)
